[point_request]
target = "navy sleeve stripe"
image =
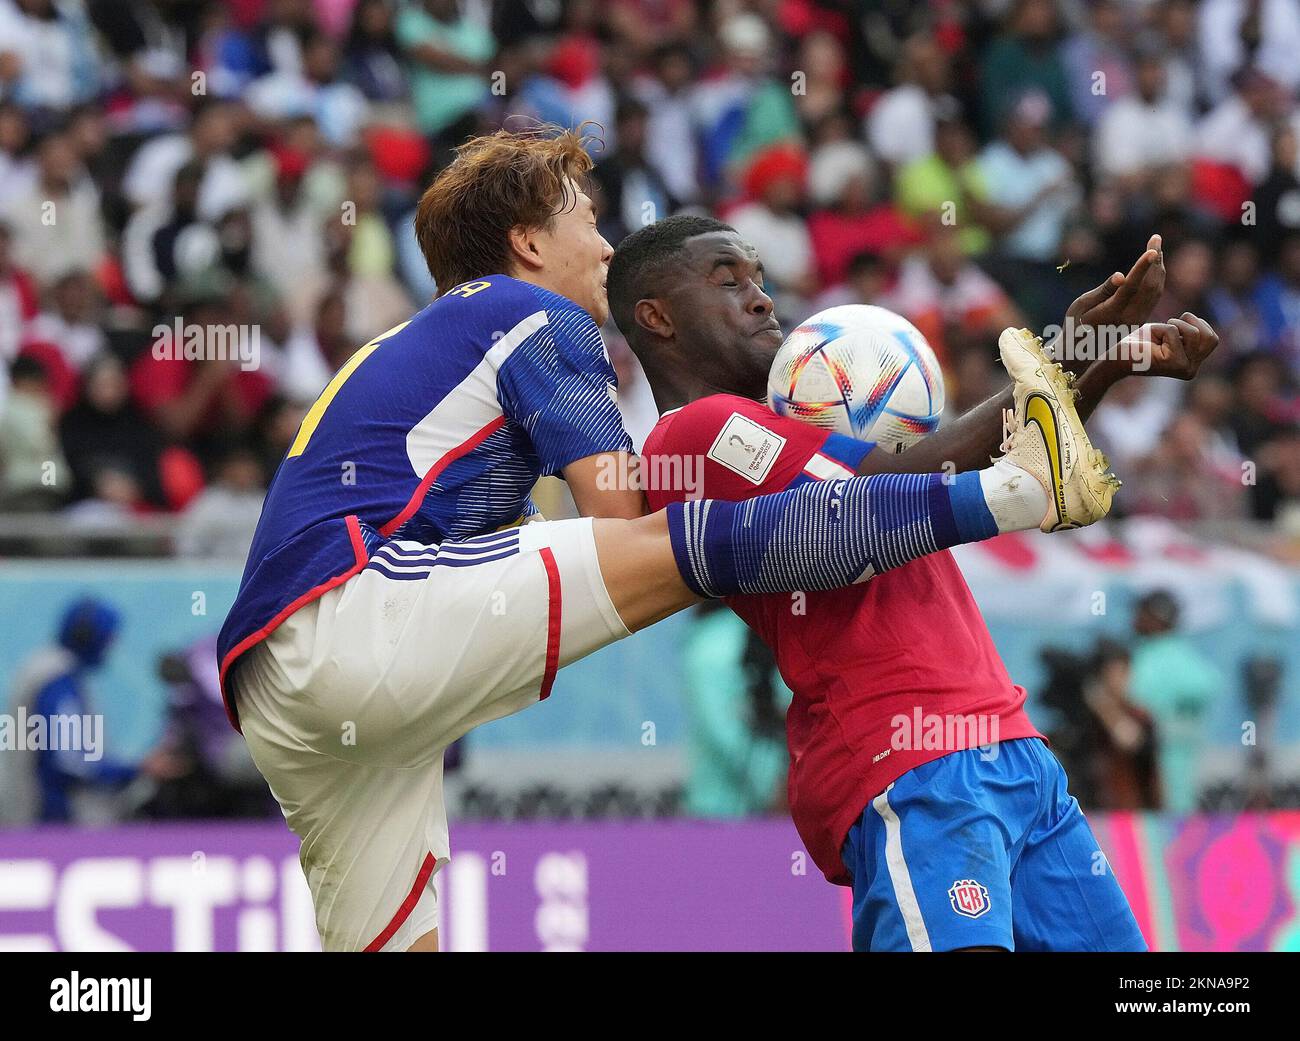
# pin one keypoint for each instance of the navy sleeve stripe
(847, 450)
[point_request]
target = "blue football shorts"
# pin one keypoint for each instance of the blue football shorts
(984, 848)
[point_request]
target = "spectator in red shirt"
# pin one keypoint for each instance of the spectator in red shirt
(848, 220)
(194, 399)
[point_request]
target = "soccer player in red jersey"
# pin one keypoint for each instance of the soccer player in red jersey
(916, 776)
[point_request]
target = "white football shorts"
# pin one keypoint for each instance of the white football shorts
(348, 705)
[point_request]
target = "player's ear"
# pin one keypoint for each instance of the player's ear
(523, 247)
(652, 316)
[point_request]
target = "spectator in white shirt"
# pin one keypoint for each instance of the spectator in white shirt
(1175, 21)
(670, 130)
(338, 107)
(56, 221)
(1265, 33)
(288, 240)
(218, 524)
(1142, 132)
(166, 241)
(900, 127)
(17, 169)
(72, 322)
(212, 136)
(1033, 184)
(312, 353)
(1236, 131)
(47, 54)
(776, 182)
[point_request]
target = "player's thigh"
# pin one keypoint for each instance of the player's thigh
(482, 634)
(931, 861)
(1065, 895)
(427, 642)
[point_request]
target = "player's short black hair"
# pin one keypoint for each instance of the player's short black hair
(645, 258)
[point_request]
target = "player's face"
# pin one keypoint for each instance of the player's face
(576, 256)
(723, 315)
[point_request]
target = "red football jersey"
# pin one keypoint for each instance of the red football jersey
(886, 675)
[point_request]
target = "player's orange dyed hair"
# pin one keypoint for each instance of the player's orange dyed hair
(496, 182)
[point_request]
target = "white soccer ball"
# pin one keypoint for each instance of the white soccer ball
(859, 370)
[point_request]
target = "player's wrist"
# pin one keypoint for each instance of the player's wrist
(1096, 380)
(1073, 362)
(1107, 368)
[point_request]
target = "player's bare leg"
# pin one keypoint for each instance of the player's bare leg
(640, 571)
(427, 942)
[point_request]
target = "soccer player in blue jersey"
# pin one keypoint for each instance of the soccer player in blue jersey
(391, 601)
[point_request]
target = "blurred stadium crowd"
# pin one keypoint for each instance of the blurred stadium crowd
(253, 165)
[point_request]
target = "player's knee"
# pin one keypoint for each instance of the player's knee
(426, 943)
(639, 569)
(625, 545)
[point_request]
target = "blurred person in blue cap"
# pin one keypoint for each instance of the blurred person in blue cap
(54, 746)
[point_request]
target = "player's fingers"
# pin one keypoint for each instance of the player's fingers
(1158, 265)
(1147, 339)
(1165, 333)
(1197, 333)
(1164, 338)
(1137, 273)
(1182, 339)
(1095, 296)
(1142, 264)
(1197, 322)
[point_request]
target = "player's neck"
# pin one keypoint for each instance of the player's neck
(676, 385)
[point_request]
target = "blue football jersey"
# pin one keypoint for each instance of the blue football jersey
(436, 429)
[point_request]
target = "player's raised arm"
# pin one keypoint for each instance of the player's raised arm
(1175, 349)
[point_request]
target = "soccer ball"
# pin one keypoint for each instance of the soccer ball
(859, 370)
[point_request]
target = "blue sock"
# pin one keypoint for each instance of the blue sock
(826, 534)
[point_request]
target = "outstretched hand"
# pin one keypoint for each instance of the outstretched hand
(1124, 299)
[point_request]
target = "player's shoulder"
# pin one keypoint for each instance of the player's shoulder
(503, 293)
(703, 419)
(511, 306)
(492, 294)
(713, 410)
